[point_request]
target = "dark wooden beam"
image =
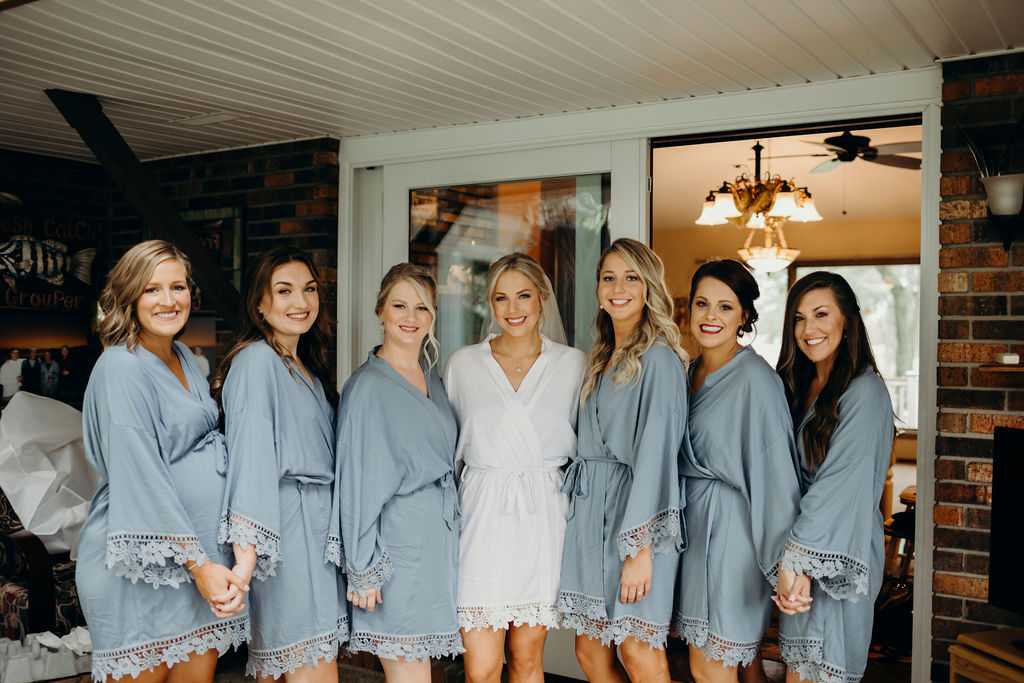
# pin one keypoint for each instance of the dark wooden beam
(85, 114)
(11, 4)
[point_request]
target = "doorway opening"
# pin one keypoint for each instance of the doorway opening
(866, 187)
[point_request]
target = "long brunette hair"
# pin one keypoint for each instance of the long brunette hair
(797, 370)
(313, 345)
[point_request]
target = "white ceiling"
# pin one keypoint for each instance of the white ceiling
(865, 191)
(287, 69)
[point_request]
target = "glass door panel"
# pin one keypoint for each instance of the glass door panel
(457, 231)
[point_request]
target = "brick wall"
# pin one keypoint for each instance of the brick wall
(287, 194)
(981, 312)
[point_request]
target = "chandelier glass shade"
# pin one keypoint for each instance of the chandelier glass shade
(761, 205)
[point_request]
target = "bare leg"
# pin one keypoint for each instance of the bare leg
(599, 663)
(713, 671)
(525, 653)
(644, 663)
(403, 670)
(157, 675)
(198, 669)
(324, 672)
(482, 658)
(753, 672)
(793, 677)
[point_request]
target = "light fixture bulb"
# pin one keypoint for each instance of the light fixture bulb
(806, 213)
(768, 259)
(708, 216)
(784, 205)
(725, 205)
(756, 221)
(1005, 193)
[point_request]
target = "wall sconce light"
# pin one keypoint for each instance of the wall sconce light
(1005, 198)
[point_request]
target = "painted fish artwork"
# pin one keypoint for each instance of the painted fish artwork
(26, 257)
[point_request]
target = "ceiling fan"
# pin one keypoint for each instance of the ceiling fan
(848, 147)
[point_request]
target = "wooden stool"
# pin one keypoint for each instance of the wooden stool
(987, 657)
(899, 547)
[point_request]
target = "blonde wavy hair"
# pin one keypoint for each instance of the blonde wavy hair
(426, 288)
(655, 321)
(125, 284)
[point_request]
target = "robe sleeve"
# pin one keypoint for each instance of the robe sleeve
(252, 510)
(368, 476)
(453, 390)
(831, 540)
(150, 536)
(653, 515)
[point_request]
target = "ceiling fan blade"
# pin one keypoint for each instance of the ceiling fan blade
(896, 160)
(834, 148)
(899, 147)
(826, 166)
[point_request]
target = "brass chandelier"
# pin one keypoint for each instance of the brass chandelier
(761, 205)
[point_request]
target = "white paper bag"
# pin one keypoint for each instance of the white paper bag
(43, 470)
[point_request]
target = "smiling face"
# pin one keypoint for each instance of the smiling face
(291, 306)
(162, 309)
(716, 314)
(516, 304)
(620, 291)
(819, 325)
(404, 316)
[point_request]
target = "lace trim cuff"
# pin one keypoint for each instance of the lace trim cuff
(578, 604)
(285, 660)
(664, 531)
(841, 576)
(805, 655)
(431, 646)
(375, 576)
(335, 552)
(145, 557)
(712, 646)
(134, 660)
(235, 528)
(500, 616)
(613, 632)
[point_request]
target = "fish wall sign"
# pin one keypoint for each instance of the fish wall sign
(45, 273)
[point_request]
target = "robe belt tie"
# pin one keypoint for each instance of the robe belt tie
(520, 496)
(450, 500)
(215, 438)
(577, 480)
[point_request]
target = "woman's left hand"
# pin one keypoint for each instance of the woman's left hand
(793, 592)
(635, 583)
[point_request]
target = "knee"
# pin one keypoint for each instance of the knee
(527, 657)
(588, 657)
(482, 670)
(642, 662)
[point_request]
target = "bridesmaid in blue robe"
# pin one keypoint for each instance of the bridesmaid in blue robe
(625, 531)
(150, 429)
(273, 385)
(741, 484)
(396, 501)
(844, 439)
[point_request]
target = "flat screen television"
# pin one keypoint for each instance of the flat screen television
(1006, 554)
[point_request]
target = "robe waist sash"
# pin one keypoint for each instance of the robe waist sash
(520, 496)
(577, 479)
(449, 500)
(216, 439)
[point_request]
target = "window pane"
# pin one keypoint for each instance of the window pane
(888, 297)
(458, 231)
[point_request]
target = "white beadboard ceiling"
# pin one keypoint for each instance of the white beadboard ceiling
(287, 69)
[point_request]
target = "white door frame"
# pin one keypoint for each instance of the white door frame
(616, 140)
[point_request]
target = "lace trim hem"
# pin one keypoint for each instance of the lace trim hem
(235, 528)
(804, 656)
(713, 646)
(614, 631)
(134, 660)
(570, 603)
(308, 653)
(497, 617)
(145, 557)
(431, 646)
(841, 576)
(663, 532)
(334, 553)
(374, 576)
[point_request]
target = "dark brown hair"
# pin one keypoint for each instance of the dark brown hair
(797, 370)
(736, 277)
(313, 345)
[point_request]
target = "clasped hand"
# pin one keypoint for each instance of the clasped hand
(366, 600)
(223, 588)
(792, 592)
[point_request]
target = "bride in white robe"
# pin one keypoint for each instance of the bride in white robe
(515, 396)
